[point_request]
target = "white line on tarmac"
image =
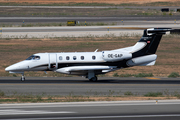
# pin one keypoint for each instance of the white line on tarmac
(24, 112)
(91, 104)
(100, 117)
(95, 102)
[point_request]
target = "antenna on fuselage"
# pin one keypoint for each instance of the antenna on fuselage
(96, 50)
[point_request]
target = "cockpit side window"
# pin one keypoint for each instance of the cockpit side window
(36, 58)
(33, 57)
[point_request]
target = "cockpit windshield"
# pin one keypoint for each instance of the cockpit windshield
(33, 57)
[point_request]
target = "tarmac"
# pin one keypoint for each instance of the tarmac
(105, 86)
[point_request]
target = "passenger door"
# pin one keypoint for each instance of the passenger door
(53, 61)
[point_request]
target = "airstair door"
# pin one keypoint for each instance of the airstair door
(53, 61)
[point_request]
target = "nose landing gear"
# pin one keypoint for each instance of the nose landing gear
(23, 77)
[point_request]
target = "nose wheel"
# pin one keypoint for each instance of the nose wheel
(23, 78)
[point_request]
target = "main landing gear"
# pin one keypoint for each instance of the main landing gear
(91, 76)
(23, 77)
(93, 79)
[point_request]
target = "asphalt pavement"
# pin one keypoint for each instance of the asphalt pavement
(120, 7)
(87, 19)
(124, 110)
(84, 31)
(81, 86)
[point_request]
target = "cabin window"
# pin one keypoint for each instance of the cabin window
(67, 57)
(60, 58)
(82, 57)
(93, 57)
(74, 57)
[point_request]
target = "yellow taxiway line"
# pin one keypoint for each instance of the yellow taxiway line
(153, 78)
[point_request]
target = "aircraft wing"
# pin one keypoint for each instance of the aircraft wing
(85, 68)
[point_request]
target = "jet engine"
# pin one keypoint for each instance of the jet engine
(147, 60)
(113, 56)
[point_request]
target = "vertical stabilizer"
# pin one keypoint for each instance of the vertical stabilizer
(149, 42)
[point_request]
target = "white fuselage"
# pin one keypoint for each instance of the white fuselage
(78, 63)
(70, 62)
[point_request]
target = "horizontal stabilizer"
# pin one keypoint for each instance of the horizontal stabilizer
(158, 31)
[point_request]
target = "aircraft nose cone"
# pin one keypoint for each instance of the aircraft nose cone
(20, 66)
(8, 68)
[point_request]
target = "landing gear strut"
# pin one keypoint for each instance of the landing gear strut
(91, 76)
(23, 78)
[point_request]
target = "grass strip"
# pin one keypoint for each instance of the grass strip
(128, 95)
(59, 24)
(174, 75)
(153, 94)
(177, 3)
(134, 75)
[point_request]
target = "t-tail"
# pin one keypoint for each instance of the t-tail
(149, 42)
(143, 52)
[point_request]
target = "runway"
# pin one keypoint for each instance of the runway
(119, 7)
(124, 110)
(82, 31)
(19, 20)
(64, 86)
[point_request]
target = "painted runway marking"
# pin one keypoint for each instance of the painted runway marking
(87, 105)
(100, 117)
(25, 112)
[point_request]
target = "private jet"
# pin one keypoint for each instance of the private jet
(91, 64)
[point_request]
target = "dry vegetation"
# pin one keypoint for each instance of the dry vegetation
(29, 98)
(15, 50)
(91, 2)
(38, 99)
(99, 12)
(87, 1)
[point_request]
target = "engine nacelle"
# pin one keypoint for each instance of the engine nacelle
(147, 60)
(113, 56)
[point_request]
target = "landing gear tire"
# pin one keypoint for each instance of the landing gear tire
(93, 79)
(22, 78)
